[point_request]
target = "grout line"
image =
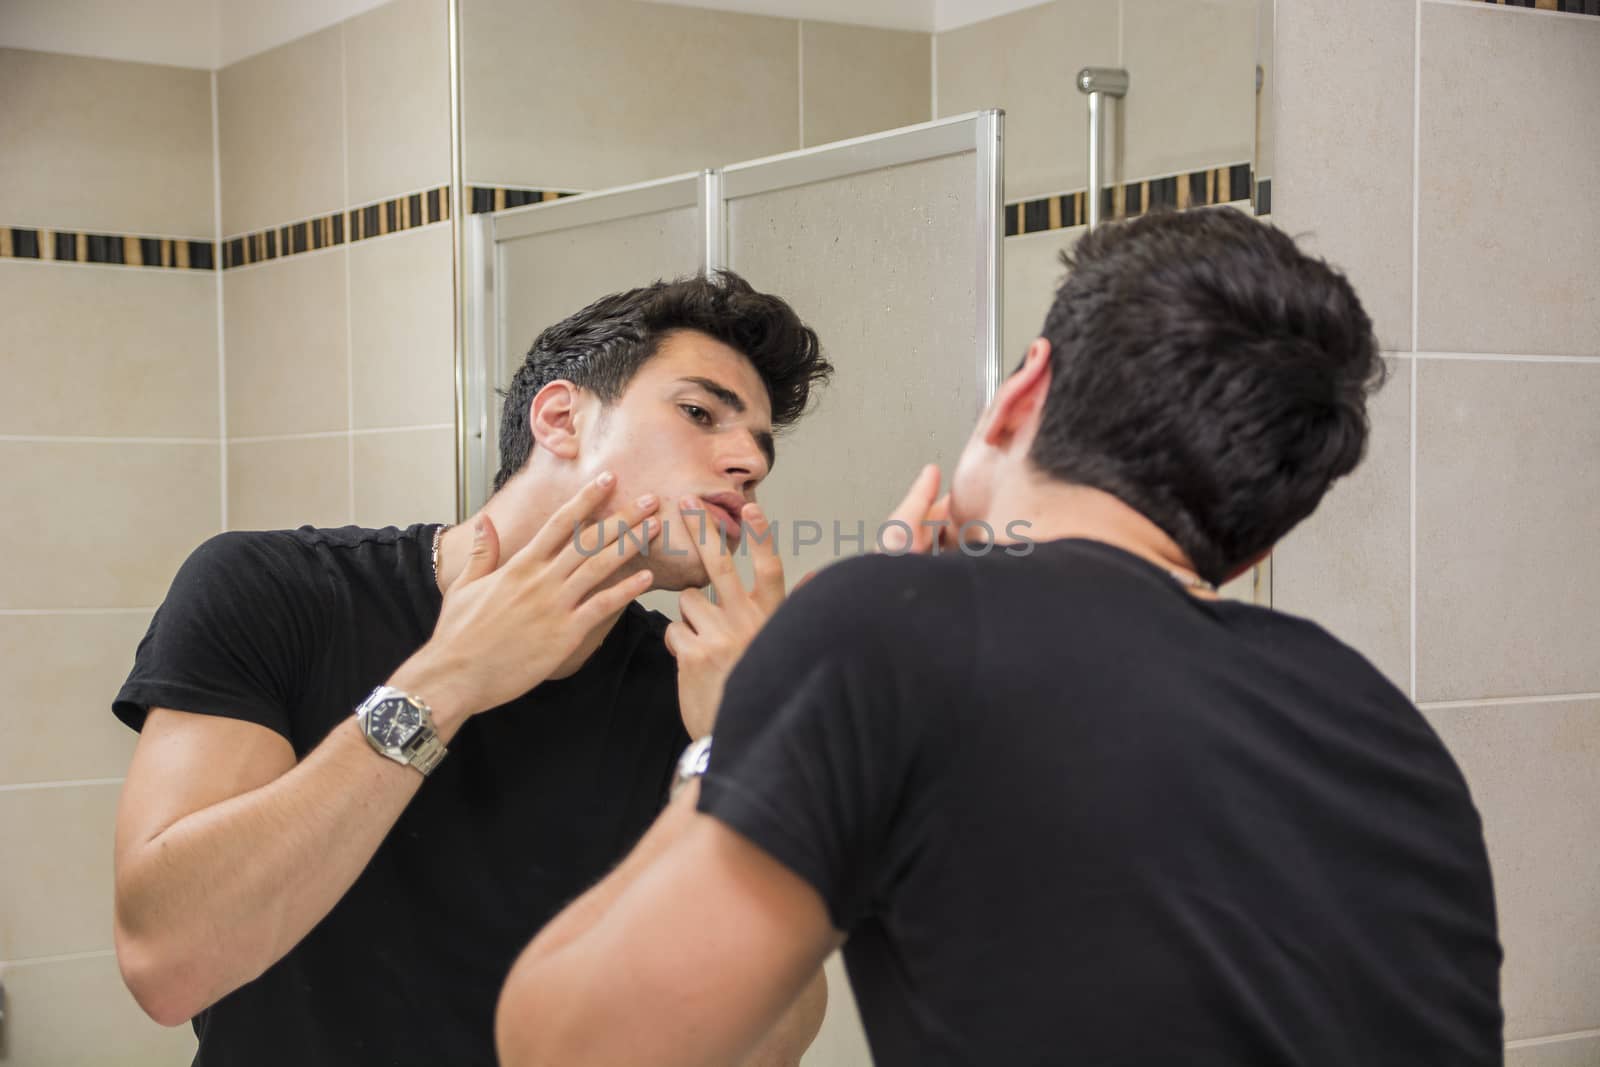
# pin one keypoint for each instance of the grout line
(1553, 1039)
(1416, 386)
(349, 326)
(67, 439)
(1554, 698)
(326, 435)
(170, 272)
(1416, 178)
(800, 70)
(373, 431)
(8, 612)
(1497, 357)
(65, 957)
(222, 334)
(318, 435)
(23, 787)
(1480, 5)
(1416, 304)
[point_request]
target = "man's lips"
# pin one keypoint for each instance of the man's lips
(724, 509)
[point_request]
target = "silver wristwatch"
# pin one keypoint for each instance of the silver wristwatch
(400, 727)
(692, 764)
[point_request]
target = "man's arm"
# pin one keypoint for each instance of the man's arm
(690, 952)
(228, 852)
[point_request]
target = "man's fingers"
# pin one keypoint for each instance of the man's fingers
(485, 554)
(765, 561)
(699, 614)
(559, 529)
(910, 512)
(611, 600)
(605, 560)
(715, 555)
(591, 540)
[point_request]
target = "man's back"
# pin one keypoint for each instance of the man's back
(1068, 812)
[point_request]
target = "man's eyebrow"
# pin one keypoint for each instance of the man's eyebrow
(736, 403)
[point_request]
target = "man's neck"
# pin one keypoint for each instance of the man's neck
(1053, 510)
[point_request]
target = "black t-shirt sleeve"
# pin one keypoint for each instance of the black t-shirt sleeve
(232, 637)
(835, 724)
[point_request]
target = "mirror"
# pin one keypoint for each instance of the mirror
(582, 96)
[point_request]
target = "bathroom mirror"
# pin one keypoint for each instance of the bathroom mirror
(584, 96)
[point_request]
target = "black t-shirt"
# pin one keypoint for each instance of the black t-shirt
(1070, 814)
(534, 803)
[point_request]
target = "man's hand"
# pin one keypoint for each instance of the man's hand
(504, 629)
(710, 637)
(921, 523)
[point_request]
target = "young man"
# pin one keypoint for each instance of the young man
(1059, 802)
(307, 900)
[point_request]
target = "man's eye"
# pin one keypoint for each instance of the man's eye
(697, 413)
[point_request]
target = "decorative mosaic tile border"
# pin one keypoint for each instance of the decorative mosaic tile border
(485, 198)
(1570, 7)
(359, 223)
(1201, 188)
(66, 246)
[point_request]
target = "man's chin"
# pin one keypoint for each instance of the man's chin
(676, 577)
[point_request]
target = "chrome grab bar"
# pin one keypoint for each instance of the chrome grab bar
(1098, 83)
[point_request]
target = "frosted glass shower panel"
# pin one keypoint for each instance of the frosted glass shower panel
(896, 267)
(534, 266)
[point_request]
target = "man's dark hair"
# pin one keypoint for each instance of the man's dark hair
(1209, 374)
(603, 346)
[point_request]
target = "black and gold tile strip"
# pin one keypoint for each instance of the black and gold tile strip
(1201, 188)
(1570, 7)
(485, 198)
(125, 250)
(342, 227)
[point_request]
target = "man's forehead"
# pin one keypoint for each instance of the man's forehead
(692, 358)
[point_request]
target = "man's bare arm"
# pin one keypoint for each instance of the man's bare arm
(690, 952)
(228, 852)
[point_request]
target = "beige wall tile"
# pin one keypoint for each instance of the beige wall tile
(397, 93)
(859, 80)
(1534, 771)
(1348, 566)
(405, 477)
(281, 125)
(1573, 1052)
(1192, 91)
(55, 886)
(1033, 274)
(1342, 124)
(588, 94)
(1509, 241)
(1508, 502)
(62, 672)
(71, 1012)
(278, 485)
(1027, 63)
(108, 352)
(402, 329)
(286, 343)
(105, 146)
(102, 525)
(841, 1042)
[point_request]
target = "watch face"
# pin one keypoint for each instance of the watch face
(394, 722)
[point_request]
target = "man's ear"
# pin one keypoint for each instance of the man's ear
(552, 419)
(1020, 397)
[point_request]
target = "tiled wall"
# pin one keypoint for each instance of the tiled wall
(1191, 97)
(590, 94)
(110, 465)
(337, 288)
(1461, 556)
